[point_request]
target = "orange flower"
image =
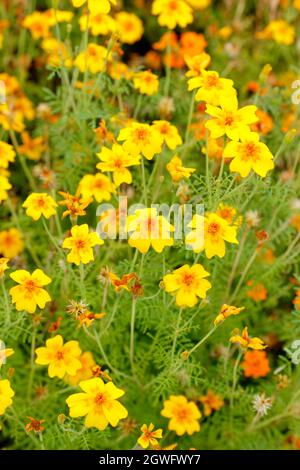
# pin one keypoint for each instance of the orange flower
(212, 402)
(258, 291)
(265, 123)
(256, 364)
(32, 147)
(34, 425)
(192, 43)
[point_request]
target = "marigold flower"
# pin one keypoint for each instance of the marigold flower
(129, 27)
(96, 7)
(184, 415)
(265, 123)
(249, 154)
(6, 394)
(7, 154)
(146, 82)
(177, 170)
(141, 138)
(32, 147)
(86, 370)
(97, 186)
(11, 243)
(5, 186)
(34, 425)
(196, 64)
(212, 402)
(172, 13)
(279, 30)
(187, 284)
(3, 266)
(38, 204)
(98, 402)
(230, 120)
(87, 318)
(38, 24)
(225, 312)
(246, 342)
(168, 132)
(211, 87)
(123, 282)
(258, 291)
(149, 436)
(229, 213)
(192, 43)
(255, 364)
(147, 228)
(103, 134)
(93, 59)
(97, 24)
(30, 293)
(81, 243)
(75, 204)
(216, 231)
(117, 161)
(62, 358)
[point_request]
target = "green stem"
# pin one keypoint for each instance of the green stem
(202, 340)
(132, 325)
(190, 116)
(22, 160)
(177, 330)
(6, 303)
(234, 378)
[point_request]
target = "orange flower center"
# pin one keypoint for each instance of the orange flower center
(40, 202)
(212, 80)
(118, 163)
(164, 129)
(99, 399)
(141, 134)
(182, 414)
(188, 279)
(213, 228)
(8, 240)
(229, 120)
(128, 26)
(30, 285)
(80, 243)
(173, 5)
(59, 355)
(251, 150)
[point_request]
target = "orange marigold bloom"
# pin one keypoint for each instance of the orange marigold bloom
(212, 402)
(258, 291)
(32, 147)
(34, 425)
(256, 364)
(245, 341)
(11, 243)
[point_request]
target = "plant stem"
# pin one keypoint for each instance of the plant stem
(138, 106)
(6, 303)
(32, 368)
(52, 239)
(22, 161)
(190, 116)
(234, 378)
(168, 67)
(132, 324)
(202, 340)
(176, 335)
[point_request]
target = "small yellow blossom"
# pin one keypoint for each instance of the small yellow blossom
(141, 138)
(184, 415)
(81, 244)
(246, 342)
(196, 64)
(30, 293)
(172, 13)
(98, 403)
(169, 133)
(7, 154)
(129, 27)
(117, 160)
(225, 312)
(149, 436)
(96, 7)
(3, 266)
(62, 358)
(38, 204)
(146, 82)
(97, 186)
(5, 186)
(177, 170)
(6, 394)
(11, 243)
(211, 87)
(188, 284)
(93, 59)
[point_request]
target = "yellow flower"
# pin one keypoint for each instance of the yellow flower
(245, 341)
(81, 243)
(4, 187)
(96, 7)
(147, 228)
(146, 82)
(38, 24)
(62, 358)
(97, 24)
(11, 243)
(129, 27)
(57, 52)
(172, 13)
(117, 160)
(177, 170)
(7, 154)
(3, 266)
(211, 87)
(6, 394)
(4, 353)
(229, 213)
(149, 436)
(86, 370)
(98, 402)
(97, 186)
(225, 312)
(29, 293)
(199, 4)
(196, 64)
(141, 138)
(38, 204)
(184, 415)
(230, 120)
(93, 59)
(188, 283)
(249, 154)
(210, 235)
(279, 30)
(168, 132)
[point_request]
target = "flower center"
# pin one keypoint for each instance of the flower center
(118, 163)
(212, 81)
(228, 120)
(164, 129)
(80, 244)
(99, 399)
(213, 228)
(182, 414)
(40, 202)
(251, 150)
(188, 279)
(141, 134)
(173, 5)
(30, 285)
(59, 355)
